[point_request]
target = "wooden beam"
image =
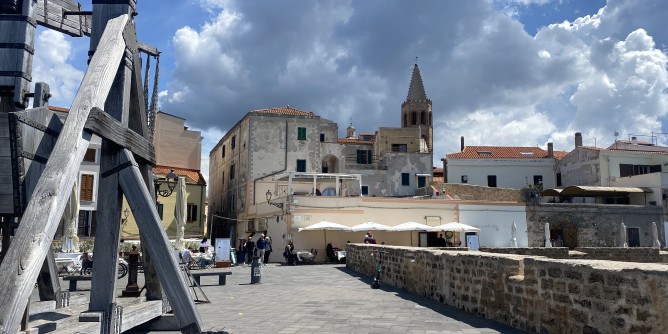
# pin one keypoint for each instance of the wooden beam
(32, 241)
(17, 36)
(105, 126)
(153, 51)
(150, 226)
(51, 14)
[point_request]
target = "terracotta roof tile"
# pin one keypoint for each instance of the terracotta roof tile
(353, 141)
(284, 111)
(61, 109)
(560, 154)
(499, 152)
(193, 176)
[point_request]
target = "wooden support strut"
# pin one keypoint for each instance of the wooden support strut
(32, 241)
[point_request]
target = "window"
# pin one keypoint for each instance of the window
(405, 179)
(233, 144)
(491, 181)
(191, 216)
(365, 190)
(223, 151)
(364, 157)
(465, 179)
(161, 208)
(322, 137)
(422, 181)
(399, 148)
(301, 133)
(250, 226)
(538, 180)
(232, 204)
(87, 223)
(413, 118)
(90, 155)
(301, 165)
(232, 172)
(405, 120)
(630, 170)
(87, 187)
(423, 117)
(558, 179)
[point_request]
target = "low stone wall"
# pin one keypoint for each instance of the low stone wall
(554, 252)
(479, 193)
(630, 254)
(535, 294)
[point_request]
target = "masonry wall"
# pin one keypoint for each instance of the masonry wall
(535, 294)
(481, 193)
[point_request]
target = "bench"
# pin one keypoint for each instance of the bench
(222, 275)
(74, 279)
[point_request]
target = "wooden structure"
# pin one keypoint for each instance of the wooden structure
(40, 158)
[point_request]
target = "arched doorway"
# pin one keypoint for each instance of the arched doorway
(329, 164)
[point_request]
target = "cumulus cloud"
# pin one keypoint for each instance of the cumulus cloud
(52, 64)
(488, 78)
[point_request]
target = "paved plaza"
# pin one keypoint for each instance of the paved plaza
(326, 299)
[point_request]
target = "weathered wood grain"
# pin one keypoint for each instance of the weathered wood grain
(47, 281)
(50, 14)
(109, 128)
(150, 226)
(32, 241)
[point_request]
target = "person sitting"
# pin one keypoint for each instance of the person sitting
(86, 264)
(289, 253)
(331, 257)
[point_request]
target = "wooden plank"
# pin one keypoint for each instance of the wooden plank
(157, 244)
(49, 13)
(17, 29)
(107, 127)
(32, 241)
(137, 314)
(47, 281)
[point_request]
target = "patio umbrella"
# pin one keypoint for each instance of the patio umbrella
(370, 226)
(513, 236)
(180, 208)
(411, 226)
(548, 244)
(454, 227)
(655, 237)
(69, 219)
(325, 226)
(623, 242)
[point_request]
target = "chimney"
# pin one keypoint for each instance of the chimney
(462, 144)
(550, 150)
(634, 140)
(445, 170)
(578, 139)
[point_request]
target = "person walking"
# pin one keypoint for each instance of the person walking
(250, 250)
(242, 252)
(260, 248)
(267, 249)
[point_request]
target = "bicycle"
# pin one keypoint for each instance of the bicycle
(122, 270)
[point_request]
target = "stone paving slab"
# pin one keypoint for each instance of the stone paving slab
(327, 299)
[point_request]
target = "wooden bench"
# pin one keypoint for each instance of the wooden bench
(222, 275)
(74, 279)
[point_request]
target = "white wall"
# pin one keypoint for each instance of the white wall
(495, 223)
(510, 173)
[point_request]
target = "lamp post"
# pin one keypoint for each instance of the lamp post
(170, 179)
(278, 205)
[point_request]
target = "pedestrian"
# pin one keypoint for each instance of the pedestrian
(267, 249)
(250, 249)
(288, 253)
(260, 248)
(242, 252)
(203, 246)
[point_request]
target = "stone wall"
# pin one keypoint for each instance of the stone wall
(592, 225)
(535, 294)
(631, 254)
(553, 252)
(480, 193)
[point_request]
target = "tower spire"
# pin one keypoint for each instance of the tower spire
(416, 89)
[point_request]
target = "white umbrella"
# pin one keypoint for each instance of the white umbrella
(69, 219)
(548, 244)
(623, 242)
(655, 237)
(455, 227)
(325, 225)
(370, 226)
(180, 208)
(513, 236)
(411, 226)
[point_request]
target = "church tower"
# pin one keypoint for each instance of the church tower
(416, 111)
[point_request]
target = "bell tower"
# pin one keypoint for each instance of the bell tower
(416, 111)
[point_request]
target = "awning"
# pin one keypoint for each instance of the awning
(592, 191)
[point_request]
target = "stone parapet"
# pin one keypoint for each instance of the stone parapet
(630, 254)
(535, 294)
(554, 252)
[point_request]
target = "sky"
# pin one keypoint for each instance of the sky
(499, 72)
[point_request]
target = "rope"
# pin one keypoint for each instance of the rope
(148, 66)
(154, 99)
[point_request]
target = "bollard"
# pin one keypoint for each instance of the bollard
(132, 289)
(379, 268)
(256, 271)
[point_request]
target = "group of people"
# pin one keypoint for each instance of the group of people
(369, 239)
(249, 248)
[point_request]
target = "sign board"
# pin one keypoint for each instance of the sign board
(472, 242)
(222, 249)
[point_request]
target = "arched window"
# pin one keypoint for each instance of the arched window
(423, 117)
(430, 124)
(413, 118)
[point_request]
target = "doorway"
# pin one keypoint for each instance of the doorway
(427, 239)
(633, 236)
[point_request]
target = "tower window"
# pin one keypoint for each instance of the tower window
(413, 118)
(423, 118)
(405, 120)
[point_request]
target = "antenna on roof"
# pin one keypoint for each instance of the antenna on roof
(416, 58)
(616, 134)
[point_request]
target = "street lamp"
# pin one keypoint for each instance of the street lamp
(171, 180)
(126, 214)
(278, 205)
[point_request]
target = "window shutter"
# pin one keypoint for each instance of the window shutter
(86, 189)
